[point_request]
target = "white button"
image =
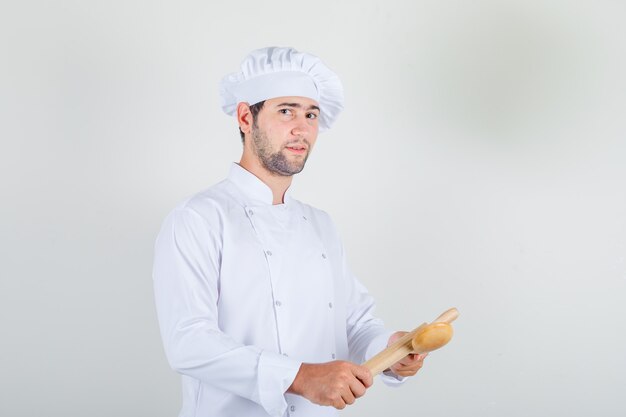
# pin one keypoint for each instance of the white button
(250, 212)
(268, 252)
(278, 303)
(324, 255)
(330, 305)
(333, 355)
(284, 354)
(292, 408)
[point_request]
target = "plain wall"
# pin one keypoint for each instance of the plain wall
(480, 163)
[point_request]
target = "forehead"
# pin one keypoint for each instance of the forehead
(292, 101)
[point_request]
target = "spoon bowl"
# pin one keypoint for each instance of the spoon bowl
(432, 337)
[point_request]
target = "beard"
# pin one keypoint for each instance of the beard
(276, 162)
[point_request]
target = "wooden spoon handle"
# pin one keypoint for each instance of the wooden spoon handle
(447, 316)
(398, 350)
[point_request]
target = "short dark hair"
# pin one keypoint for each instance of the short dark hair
(254, 110)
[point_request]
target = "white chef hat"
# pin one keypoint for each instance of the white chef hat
(279, 72)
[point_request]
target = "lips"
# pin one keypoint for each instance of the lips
(298, 149)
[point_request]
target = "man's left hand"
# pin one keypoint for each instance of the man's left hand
(409, 365)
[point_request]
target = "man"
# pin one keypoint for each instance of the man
(257, 307)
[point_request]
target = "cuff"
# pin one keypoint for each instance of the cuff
(392, 380)
(276, 374)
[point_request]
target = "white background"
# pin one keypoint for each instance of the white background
(480, 163)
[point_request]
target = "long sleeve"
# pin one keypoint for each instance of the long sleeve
(366, 333)
(186, 285)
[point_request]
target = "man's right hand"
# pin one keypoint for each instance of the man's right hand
(337, 383)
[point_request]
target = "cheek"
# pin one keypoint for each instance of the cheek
(315, 130)
(277, 137)
(277, 130)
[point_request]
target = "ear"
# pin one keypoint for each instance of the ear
(244, 117)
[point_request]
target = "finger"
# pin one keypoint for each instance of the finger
(339, 404)
(400, 369)
(413, 367)
(363, 374)
(409, 361)
(413, 358)
(394, 337)
(409, 366)
(405, 361)
(357, 388)
(347, 396)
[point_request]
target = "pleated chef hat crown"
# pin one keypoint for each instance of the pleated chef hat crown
(279, 72)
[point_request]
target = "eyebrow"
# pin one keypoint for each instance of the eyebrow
(298, 106)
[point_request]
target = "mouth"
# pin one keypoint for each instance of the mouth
(297, 149)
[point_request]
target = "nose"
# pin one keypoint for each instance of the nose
(303, 126)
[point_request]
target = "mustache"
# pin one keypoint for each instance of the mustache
(299, 142)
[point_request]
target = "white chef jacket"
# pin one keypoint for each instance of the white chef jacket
(246, 291)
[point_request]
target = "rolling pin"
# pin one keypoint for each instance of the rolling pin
(424, 338)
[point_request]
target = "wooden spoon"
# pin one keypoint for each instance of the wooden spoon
(424, 338)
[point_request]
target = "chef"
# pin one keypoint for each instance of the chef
(257, 307)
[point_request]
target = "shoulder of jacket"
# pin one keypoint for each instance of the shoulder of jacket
(315, 214)
(210, 204)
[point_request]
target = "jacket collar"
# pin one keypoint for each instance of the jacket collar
(255, 191)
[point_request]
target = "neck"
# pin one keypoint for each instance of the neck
(277, 183)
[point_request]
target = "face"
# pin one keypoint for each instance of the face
(284, 133)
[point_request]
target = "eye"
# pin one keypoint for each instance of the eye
(284, 111)
(312, 116)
